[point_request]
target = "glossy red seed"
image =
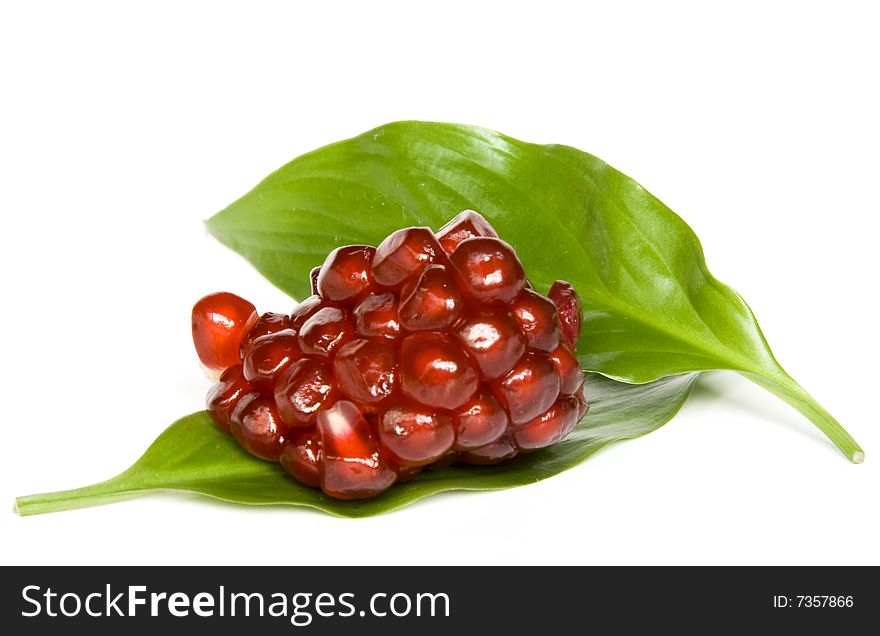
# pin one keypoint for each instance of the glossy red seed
(416, 435)
(583, 407)
(479, 421)
(313, 279)
(488, 270)
(549, 427)
(353, 466)
(257, 426)
(305, 310)
(406, 473)
(404, 254)
(434, 302)
(268, 323)
(219, 323)
(574, 416)
(571, 377)
(268, 356)
(325, 331)
(536, 316)
(225, 394)
(347, 274)
(305, 389)
(301, 458)
(568, 307)
(366, 371)
(467, 224)
(447, 460)
(529, 389)
(492, 339)
(496, 452)
(376, 316)
(435, 371)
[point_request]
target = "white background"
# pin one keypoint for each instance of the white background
(122, 128)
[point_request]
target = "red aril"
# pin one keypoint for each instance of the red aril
(479, 421)
(268, 323)
(301, 458)
(465, 225)
(496, 452)
(415, 435)
(305, 389)
(376, 315)
(529, 388)
(268, 356)
(404, 254)
(225, 394)
(366, 371)
(571, 377)
(488, 270)
(353, 466)
(537, 319)
(549, 427)
(257, 426)
(433, 303)
(347, 274)
(325, 331)
(434, 370)
(219, 323)
(305, 310)
(491, 338)
(568, 307)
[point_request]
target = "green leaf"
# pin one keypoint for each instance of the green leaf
(651, 307)
(194, 455)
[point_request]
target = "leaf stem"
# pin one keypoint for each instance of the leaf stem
(785, 388)
(103, 492)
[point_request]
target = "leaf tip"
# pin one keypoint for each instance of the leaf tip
(857, 457)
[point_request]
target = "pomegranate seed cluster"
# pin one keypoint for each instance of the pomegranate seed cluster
(427, 350)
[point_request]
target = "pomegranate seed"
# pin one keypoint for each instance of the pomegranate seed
(550, 427)
(268, 356)
(347, 274)
(568, 307)
(501, 450)
(479, 421)
(434, 371)
(467, 224)
(313, 279)
(448, 459)
(488, 270)
(376, 315)
(529, 388)
(305, 389)
(325, 331)
(225, 394)
(257, 427)
(219, 322)
(305, 310)
(583, 407)
(407, 473)
(416, 435)
(537, 319)
(301, 458)
(267, 324)
(433, 303)
(404, 254)
(366, 371)
(353, 464)
(492, 339)
(571, 377)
